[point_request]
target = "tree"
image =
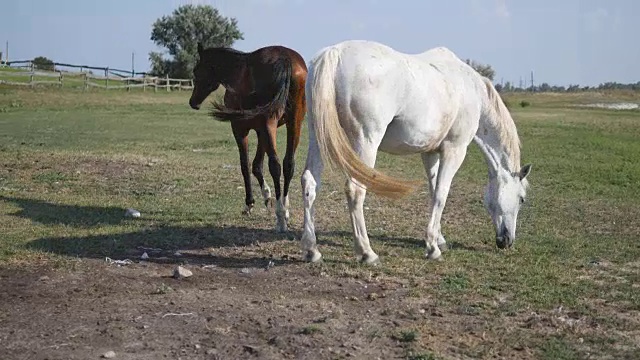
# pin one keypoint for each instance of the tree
(507, 87)
(544, 87)
(43, 63)
(180, 33)
(484, 70)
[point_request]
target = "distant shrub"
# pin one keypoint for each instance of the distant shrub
(42, 63)
(524, 103)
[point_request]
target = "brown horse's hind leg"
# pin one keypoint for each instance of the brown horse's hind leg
(240, 135)
(256, 169)
(275, 169)
(293, 118)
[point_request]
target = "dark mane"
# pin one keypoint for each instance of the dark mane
(225, 51)
(226, 61)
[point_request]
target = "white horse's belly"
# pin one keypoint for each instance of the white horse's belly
(402, 138)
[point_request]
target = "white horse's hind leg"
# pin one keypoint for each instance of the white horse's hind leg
(450, 160)
(308, 240)
(431, 163)
(311, 178)
(355, 198)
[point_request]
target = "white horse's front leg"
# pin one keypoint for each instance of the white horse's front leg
(450, 161)
(281, 216)
(431, 163)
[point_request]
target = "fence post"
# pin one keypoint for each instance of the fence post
(61, 79)
(168, 89)
(106, 75)
(144, 83)
(155, 84)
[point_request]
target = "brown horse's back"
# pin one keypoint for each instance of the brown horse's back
(271, 54)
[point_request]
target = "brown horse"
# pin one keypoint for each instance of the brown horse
(264, 90)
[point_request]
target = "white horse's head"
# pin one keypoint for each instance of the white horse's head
(504, 195)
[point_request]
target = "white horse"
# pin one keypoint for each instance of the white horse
(363, 96)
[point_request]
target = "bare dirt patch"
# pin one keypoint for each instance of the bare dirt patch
(256, 307)
(140, 312)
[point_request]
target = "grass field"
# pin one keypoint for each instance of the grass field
(71, 162)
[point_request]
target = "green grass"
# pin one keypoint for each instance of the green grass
(72, 161)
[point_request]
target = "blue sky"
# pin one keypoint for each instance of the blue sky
(563, 41)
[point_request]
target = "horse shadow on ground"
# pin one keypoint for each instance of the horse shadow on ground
(61, 214)
(197, 245)
(162, 241)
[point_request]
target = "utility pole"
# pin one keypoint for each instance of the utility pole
(133, 59)
(6, 55)
(532, 81)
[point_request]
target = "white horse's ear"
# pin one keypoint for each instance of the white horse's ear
(524, 171)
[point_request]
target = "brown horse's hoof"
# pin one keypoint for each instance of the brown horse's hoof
(247, 210)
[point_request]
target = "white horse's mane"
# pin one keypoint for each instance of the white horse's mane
(501, 119)
(498, 114)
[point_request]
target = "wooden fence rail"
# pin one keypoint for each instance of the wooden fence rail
(112, 78)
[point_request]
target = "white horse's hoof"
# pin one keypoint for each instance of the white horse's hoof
(370, 259)
(442, 244)
(434, 254)
(313, 256)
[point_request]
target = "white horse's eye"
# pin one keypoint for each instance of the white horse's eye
(521, 200)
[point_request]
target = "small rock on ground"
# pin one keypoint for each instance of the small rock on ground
(132, 213)
(181, 272)
(109, 355)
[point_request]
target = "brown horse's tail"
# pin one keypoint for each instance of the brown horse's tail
(275, 107)
(332, 140)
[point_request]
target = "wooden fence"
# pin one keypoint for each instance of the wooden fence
(25, 73)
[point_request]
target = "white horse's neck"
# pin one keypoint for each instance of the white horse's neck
(496, 148)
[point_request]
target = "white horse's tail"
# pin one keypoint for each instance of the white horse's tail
(332, 140)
